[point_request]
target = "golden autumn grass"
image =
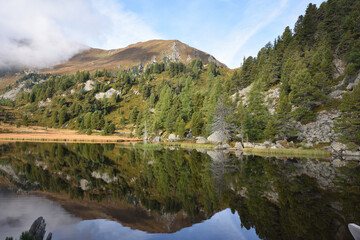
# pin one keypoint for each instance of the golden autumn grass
(36, 133)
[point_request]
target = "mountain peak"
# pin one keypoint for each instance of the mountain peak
(141, 53)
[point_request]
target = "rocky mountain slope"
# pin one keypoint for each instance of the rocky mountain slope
(138, 54)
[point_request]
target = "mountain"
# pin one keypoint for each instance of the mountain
(139, 54)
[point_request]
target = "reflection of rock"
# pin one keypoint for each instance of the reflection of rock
(156, 139)
(239, 145)
(37, 229)
(322, 171)
(84, 184)
(222, 147)
(217, 156)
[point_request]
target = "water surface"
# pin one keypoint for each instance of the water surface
(107, 191)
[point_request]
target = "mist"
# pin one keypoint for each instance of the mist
(40, 33)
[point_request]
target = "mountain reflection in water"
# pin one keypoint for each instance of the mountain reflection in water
(186, 194)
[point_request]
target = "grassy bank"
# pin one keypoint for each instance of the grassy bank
(187, 145)
(182, 145)
(288, 152)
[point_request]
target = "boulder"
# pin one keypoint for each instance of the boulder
(260, 146)
(337, 147)
(278, 145)
(217, 137)
(172, 137)
(84, 184)
(89, 85)
(351, 153)
(248, 145)
(189, 136)
(108, 94)
(37, 229)
(337, 94)
(239, 145)
(201, 140)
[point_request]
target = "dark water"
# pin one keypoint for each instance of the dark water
(106, 191)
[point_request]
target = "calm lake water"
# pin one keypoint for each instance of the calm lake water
(107, 191)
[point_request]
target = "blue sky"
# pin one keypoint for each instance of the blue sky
(58, 29)
(228, 29)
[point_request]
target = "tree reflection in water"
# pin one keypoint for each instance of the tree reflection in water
(280, 198)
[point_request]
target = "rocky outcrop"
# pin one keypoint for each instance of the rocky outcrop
(340, 67)
(104, 176)
(320, 131)
(37, 229)
(217, 137)
(108, 94)
(340, 150)
(351, 86)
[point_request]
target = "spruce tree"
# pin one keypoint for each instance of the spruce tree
(349, 123)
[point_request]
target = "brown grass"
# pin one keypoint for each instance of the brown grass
(36, 133)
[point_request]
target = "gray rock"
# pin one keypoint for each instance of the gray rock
(321, 130)
(105, 177)
(89, 85)
(260, 146)
(37, 229)
(248, 145)
(108, 94)
(217, 137)
(351, 153)
(238, 145)
(173, 137)
(49, 236)
(201, 140)
(337, 146)
(84, 184)
(189, 136)
(337, 94)
(278, 145)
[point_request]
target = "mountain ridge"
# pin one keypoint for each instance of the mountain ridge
(138, 54)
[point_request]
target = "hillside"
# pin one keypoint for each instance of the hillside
(139, 54)
(303, 87)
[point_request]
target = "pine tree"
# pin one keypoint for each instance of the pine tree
(349, 123)
(270, 130)
(257, 113)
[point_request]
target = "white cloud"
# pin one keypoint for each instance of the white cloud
(42, 33)
(243, 32)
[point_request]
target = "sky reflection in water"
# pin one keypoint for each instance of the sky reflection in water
(223, 225)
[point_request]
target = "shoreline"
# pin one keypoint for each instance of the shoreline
(54, 135)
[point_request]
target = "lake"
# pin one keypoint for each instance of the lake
(109, 191)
